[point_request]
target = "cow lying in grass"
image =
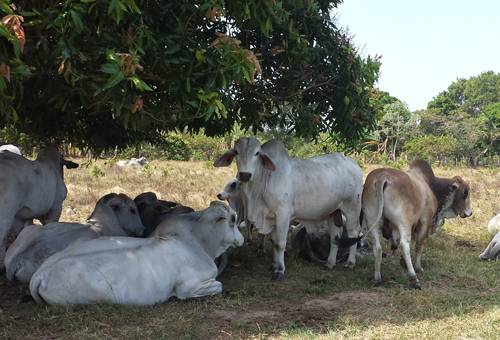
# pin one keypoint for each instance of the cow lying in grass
(177, 261)
(113, 215)
(154, 211)
(414, 202)
(492, 251)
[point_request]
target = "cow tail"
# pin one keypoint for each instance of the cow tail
(379, 192)
(37, 281)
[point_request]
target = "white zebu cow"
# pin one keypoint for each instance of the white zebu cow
(11, 148)
(113, 215)
(133, 162)
(179, 262)
(492, 251)
(30, 189)
(278, 189)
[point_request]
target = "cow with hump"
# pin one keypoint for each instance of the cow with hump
(30, 189)
(113, 215)
(178, 260)
(410, 204)
(278, 189)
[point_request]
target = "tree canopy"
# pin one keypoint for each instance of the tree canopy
(103, 73)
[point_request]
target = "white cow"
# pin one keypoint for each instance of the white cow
(133, 162)
(178, 261)
(278, 189)
(114, 215)
(30, 189)
(11, 148)
(494, 225)
(232, 194)
(492, 251)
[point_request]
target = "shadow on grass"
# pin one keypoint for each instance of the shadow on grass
(311, 301)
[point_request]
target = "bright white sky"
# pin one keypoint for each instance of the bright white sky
(427, 44)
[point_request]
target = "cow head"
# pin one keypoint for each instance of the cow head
(125, 212)
(52, 155)
(229, 191)
(249, 157)
(458, 203)
(222, 229)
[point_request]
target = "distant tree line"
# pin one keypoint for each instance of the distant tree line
(460, 123)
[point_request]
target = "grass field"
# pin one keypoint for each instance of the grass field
(460, 296)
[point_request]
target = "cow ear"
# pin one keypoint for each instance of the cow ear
(267, 162)
(226, 159)
(70, 164)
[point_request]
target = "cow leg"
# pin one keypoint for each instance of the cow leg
(487, 253)
(199, 289)
(334, 231)
(419, 248)
(377, 254)
(404, 233)
(279, 235)
(53, 215)
(6, 223)
(353, 228)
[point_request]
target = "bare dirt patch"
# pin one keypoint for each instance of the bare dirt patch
(308, 312)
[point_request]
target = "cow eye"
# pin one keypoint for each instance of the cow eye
(233, 219)
(257, 153)
(132, 210)
(233, 185)
(220, 219)
(115, 207)
(466, 193)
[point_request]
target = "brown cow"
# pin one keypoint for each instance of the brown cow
(412, 202)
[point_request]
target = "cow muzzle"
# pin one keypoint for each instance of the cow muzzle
(244, 176)
(466, 213)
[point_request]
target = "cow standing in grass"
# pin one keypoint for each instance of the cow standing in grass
(414, 202)
(30, 189)
(278, 189)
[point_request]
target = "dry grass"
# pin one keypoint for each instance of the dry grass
(460, 296)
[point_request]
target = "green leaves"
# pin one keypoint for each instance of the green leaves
(108, 72)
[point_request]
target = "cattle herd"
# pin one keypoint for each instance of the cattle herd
(146, 250)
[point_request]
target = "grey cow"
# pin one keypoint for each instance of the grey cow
(30, 189)
(113, 215)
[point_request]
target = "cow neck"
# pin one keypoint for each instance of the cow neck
(105, 223)
(205, 238)
(441, 189)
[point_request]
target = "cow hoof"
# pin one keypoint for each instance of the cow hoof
(350, 265)
(419, 270)
(376, 282)
(278, 277)
(329, 265)
(415, 284)
(402, 262)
